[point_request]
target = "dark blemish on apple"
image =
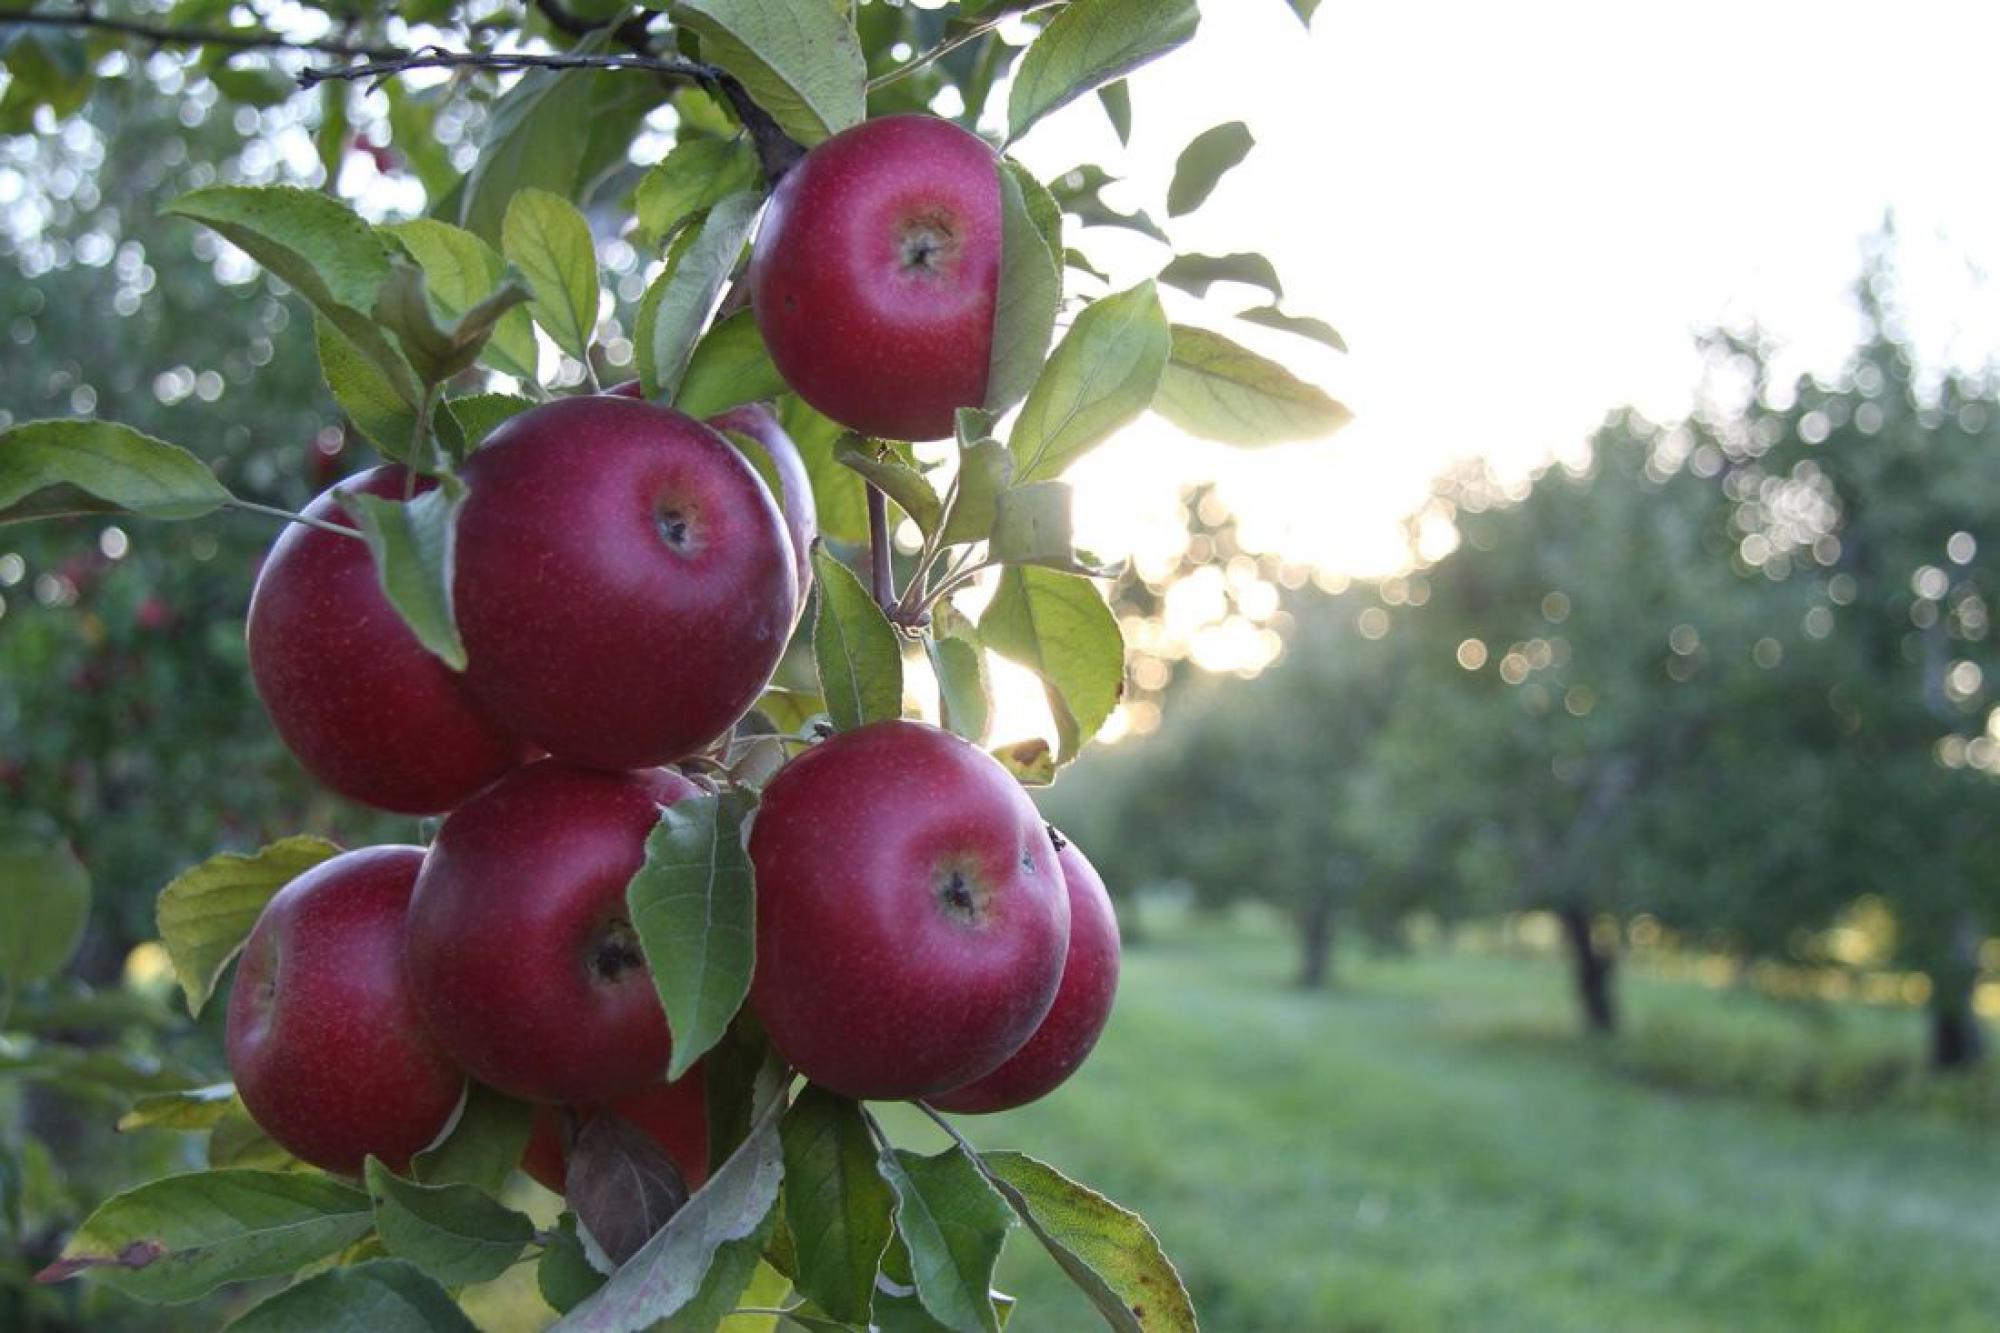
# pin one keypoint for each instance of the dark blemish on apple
(928, 243)
(617, 954)
(676, 526)
(961, 898)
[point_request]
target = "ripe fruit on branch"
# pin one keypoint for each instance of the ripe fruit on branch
(520, 951)
(760, 423)
(625, 585)
(674, 1114)
(366, 708)
(1083, 1002)
(324, 1039)
(911, 917)
(876, 273)
(795, 498)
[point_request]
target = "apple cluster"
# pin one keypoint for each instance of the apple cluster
(625, 583)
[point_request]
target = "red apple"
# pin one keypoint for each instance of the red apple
(520, 950)
(911, 917)
(675, 1115)
(1083, 1001)
(625, 585)
(795, 499)
(366, 708)
(876, 273)
(760, 424)
(324, 1039)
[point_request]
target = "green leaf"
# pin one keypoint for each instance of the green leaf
(44, 900)
(382, 1296)
(1033, 527)
(735, 1265)
(955, 1225)
(730, 367)
(237, 1140)
(477, 415)
(1208, 157)
(483, 1145)
(435, 345)
(1117, 99)
(898, 480)
(801, 63)
(414, 543)
(317, 246)
(191, 1109)
(694, 907)
(744, 1075)
(1080, 191)
(696, 176)
(258, 86)
(1031, 761)
(1195, 274)
(183, 1236)
(1110, 1253)
(671, 321)
(330, 135)
(206, 913)
(1304, 325)
(56, 469)
(789, 711)
(768, 1289)
(985, 469)
(549, 240)
(840, 1210)
(1221, 391)
(371, 402)
(68, 1003)
(1043, 210)
(412, 129)
(669, 1272)
(965, 696)
(555, 130)
(840, 497)
(860, 659)
(1304, 9)
(1091, 43)
(564, 1276)
(1078, 260)
(1058, 626)
(460, 271)
(1104, 373)
(1024, 312)
(456, 1233)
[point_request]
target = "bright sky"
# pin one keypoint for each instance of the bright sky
(1516, 214)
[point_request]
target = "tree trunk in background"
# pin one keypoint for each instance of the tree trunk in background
(1592, 968)
(1956, 1039)
(1315, 941)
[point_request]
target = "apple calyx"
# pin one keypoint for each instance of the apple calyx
(615, 954)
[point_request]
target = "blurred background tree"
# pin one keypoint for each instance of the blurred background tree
(1728, 675)
(1728, 680)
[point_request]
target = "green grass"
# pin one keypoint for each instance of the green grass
(1428, 1147)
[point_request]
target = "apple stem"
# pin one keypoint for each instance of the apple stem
(964, 1143)
(253, 507)
(878, 549)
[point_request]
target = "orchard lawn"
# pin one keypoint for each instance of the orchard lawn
(1428, 1148)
